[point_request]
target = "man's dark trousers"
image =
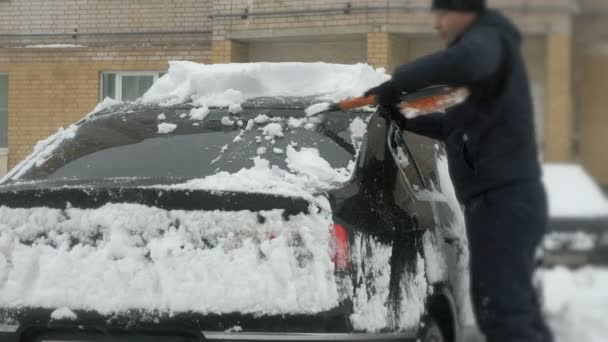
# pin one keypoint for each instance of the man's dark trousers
(504, 228)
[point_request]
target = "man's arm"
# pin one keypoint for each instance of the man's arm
(475, 57)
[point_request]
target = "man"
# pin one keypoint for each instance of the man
(493, 159)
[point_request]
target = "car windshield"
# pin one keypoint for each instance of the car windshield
(168, 143)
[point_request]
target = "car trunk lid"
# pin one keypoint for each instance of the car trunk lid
(114, 249)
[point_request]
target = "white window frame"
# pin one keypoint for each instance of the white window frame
(120, 75)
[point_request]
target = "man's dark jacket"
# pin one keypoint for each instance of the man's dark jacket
(490, 139)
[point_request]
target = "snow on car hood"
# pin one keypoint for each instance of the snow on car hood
(222, 85)
(128, 256)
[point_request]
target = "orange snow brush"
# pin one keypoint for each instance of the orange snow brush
(425, 101)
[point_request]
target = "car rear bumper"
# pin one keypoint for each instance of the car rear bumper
(36, 325)
(10, 334)
(244, 337)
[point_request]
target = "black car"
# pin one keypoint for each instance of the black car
(120, 206)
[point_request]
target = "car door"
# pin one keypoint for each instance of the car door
(413, 216)
(445, 248)
(410, 190)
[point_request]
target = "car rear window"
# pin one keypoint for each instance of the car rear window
(130, 145)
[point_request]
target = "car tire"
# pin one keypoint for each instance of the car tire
(432, 332)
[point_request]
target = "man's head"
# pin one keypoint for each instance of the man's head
(454, 17)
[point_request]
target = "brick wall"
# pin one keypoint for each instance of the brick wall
(3, 162)
(51, 88)
(228, 51)
(98, 16)
(591, 73)
(344, 49)
(593, 121)
(244, 19)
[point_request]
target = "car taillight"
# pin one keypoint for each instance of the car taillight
(341, 256)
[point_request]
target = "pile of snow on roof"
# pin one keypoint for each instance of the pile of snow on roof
(223, 85)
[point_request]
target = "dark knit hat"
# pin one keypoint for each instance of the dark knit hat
(460, 5)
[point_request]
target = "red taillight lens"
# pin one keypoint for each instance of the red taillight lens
(341, 256)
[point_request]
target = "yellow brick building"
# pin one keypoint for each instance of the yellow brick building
(58, 58)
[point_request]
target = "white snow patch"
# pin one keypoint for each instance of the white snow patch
(226, 121)
(199, 113)
(576, 302)
(267, 179)
(436, 265)
(358, 128)
(222, 85)
(164, 128)
(261, 119)
(161, 116)
(183, 115)
(403, 160)
(42, 152)
(295, 122)
(249, 126)
(414, 291)
(261, 150)
(235, 108)
(277, 150)
(273, 130)
(317, 108)
(63, 313)
(235, 328)
(106, 103)
(308, 162)
(572, 192)
(456, 231)
(370, 313)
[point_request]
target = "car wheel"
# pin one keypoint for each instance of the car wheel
(432, 332)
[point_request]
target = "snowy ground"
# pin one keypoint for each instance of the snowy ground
(575, 302)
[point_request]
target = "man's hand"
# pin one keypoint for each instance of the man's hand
(393, 114)
(387, 94)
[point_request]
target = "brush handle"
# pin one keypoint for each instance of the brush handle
(357, 102)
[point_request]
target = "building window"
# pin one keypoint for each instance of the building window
(3, 111)
(127, 86)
